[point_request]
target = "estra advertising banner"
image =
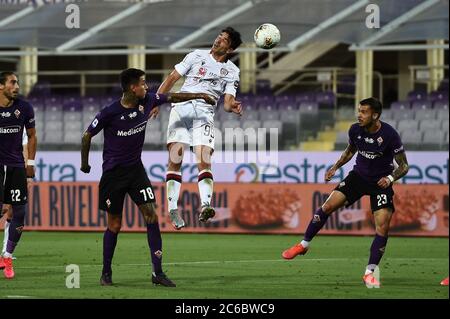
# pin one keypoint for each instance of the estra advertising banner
(421, 210)
(242, 167)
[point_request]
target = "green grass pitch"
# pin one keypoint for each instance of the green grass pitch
(227, 266)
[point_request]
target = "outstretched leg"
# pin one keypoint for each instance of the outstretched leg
(335, 201)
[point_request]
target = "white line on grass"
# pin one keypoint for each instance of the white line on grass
(205, 262)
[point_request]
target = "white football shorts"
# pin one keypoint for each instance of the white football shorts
(191, 123)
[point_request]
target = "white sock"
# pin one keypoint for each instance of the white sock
(304, 243)
(173, 186)
(205, 186)
(5, 238)
(368, 271)
(7, 255)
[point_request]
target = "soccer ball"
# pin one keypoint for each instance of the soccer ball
(267, 36)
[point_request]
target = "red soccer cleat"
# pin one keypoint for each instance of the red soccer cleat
(2, 263)
(8, 271)
(294, 251)
(444, 282)
(371, 281)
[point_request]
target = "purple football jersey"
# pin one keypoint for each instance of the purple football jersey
(376, 151)
(13, 119)
(124, 130)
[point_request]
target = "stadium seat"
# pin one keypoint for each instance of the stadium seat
(429, 124)
(231, 124)
(72, 137)
(411, 139)
(421, 105)
(403, 115)
(72, 116)
(251, 124)
(290, 116)
(305, 97)
(268, 114)
(401, 105)
(250, 115)
(432, 140)
(326, 99)
(441, 105)
(417, 96)
(438, 96)
(442, 114)
(73, 127)
(55, 126)
(404, 125)
(422, 114)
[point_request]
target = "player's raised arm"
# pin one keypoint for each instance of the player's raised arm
(169, 82)
(345, 157)
(231, 105)
(31, 148)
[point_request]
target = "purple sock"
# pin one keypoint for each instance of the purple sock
(15, 228)
(319, 219)
(109, 245)
(377, 251)
(155, 244)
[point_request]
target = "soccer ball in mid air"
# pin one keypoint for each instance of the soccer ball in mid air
(267, 36)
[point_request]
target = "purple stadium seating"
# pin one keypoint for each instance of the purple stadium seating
(421, 105)
(325, 98)
(401, 105)
(417, 96)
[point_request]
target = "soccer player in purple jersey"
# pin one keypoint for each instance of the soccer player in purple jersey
(377, 144)
(124, 123)
(15, 114)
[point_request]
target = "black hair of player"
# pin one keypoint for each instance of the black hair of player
(235, 37)
(374, 104)
(129, 77)
(4, 76)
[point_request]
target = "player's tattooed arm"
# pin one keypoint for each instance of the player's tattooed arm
(403, 166)
(398, 173)
(345, 157)
(85, 147)
(181, 97)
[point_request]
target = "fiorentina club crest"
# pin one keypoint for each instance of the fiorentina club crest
(17, 113)
(141, 109)
(379, 140)
(158, 254)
